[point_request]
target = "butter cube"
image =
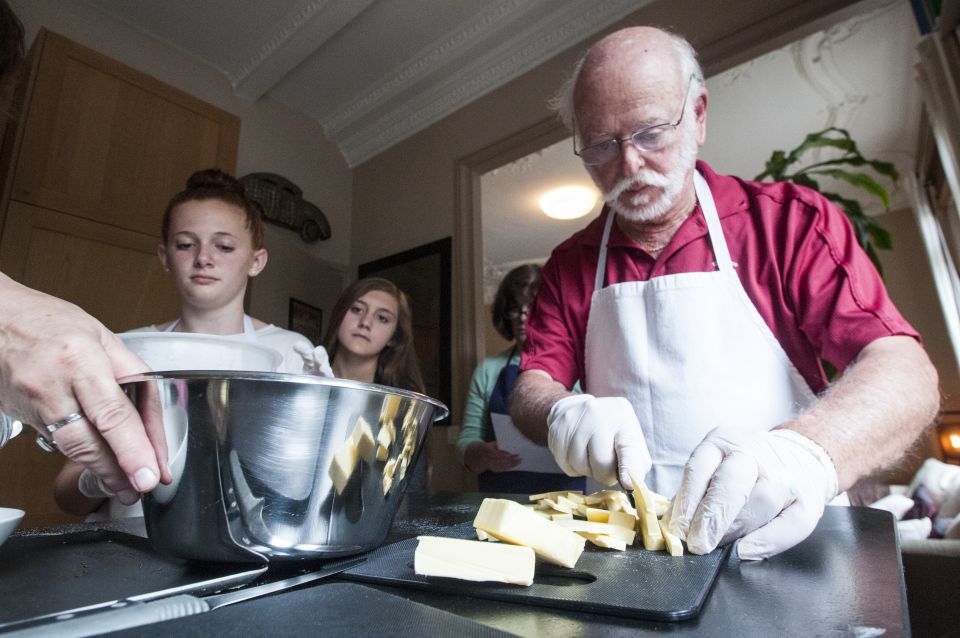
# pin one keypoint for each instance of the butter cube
(650, 530)
(363, 436)
(623, 519)
(387, 484)
(513, 523)
(391, 403)
(474, 560)
(587, 529)
(344, 462)
(553, 495)
(672, 541)
(597, 515)
(607, 542)
(385, 436)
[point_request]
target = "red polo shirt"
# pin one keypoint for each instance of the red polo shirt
(795, 253)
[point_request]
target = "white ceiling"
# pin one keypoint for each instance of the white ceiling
(856, 75)
(371, 72)
(374, 72)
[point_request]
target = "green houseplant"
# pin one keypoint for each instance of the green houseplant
(846, 166)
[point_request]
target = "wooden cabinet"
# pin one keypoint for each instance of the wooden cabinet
(105, 142)
(97, 152)
(76, 259)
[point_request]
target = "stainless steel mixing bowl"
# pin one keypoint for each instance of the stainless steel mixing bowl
(271, 466)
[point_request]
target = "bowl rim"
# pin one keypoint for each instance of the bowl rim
(232, 340)
(11, 514)
(283, 377)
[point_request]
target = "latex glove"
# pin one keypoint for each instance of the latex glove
(315, 360)
(597, 437)
(766, 488)
(92, 486)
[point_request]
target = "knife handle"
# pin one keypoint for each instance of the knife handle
(131, 615)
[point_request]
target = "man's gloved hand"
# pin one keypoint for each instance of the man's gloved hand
(315, 360)
(766, 488)
(598, 437)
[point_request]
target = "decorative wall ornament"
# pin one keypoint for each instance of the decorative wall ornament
(282, 203)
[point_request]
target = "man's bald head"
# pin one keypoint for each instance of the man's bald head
(636, 52)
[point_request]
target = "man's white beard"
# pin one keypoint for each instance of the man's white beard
(667, 185)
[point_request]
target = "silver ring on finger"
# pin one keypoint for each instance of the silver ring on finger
(49, 445)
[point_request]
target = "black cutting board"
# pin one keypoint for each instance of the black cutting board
(328, 610)
(635, 583)
(51, 573)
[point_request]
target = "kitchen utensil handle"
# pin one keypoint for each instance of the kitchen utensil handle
(131, 615)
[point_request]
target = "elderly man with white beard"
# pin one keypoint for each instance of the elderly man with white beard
(696, 311)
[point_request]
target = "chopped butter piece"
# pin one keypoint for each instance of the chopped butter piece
(363, 437)
(391, 403)
(548, 503)
(553, 495)
(387, 484)
(474, 560)
(597, 515)
(650, 530)
(385, 436)
(605, 529)
(672, 541)
(608, 542)
(382, 452)
(623, 519)
(511, 522)
(344, 462)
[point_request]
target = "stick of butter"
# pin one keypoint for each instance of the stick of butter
(474, 560)
(513, 523)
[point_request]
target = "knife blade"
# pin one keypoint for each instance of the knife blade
(209, 586)
(178, 606)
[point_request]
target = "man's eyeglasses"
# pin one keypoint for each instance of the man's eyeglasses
(649, 139)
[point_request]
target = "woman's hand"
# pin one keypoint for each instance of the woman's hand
(56, 360)
(482, 457)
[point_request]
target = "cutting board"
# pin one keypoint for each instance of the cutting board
(635, 583)
(46, 574)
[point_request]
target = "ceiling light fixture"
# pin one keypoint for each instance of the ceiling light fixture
(568, 202)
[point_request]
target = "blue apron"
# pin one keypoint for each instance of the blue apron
(520, 482)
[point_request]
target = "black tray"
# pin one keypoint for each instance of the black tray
(635, 583)
(47, 574)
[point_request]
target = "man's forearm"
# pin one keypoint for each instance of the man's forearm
(533, 395)
(885, 400)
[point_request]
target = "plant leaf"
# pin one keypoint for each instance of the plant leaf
(860, 180)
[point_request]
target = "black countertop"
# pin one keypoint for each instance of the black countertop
(846, 579)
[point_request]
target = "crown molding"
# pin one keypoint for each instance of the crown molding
(554, 32)
(308, 27)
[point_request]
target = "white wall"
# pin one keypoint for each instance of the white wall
(272, 139)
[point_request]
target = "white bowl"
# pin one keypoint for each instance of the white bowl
(165, 351)
(9, 519)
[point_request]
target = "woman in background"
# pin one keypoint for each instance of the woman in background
(370, 339)
(488, 398)
(212, 244)
(370, 336)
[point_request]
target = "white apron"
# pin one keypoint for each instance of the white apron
(691, 353)
(248, 330)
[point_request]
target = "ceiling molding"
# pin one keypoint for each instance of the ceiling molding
(312, 24)
(551, 34)
(431, 59)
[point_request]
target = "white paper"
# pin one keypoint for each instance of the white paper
(535, 458)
